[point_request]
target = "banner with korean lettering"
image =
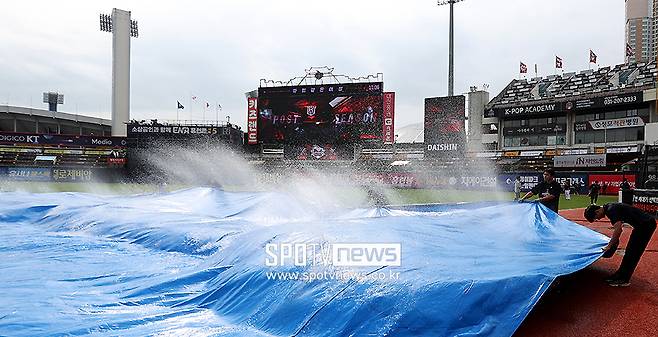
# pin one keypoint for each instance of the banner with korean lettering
(577, 180)
(252, 120)
(528, 180)
(646, 200)
(605, 101)
(78, 140)
(580, 160)
(628, 122)
(28, 173)
(389, 117)
(71, 174)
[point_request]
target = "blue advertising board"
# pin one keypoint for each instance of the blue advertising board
(28, 173)
(528, 180)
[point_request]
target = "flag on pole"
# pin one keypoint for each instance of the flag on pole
(629, 50)
(180, 106)
(558, 62)
(592, 57)
(523, 68)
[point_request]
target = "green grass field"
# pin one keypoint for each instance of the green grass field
(420, 196)
(343, 196)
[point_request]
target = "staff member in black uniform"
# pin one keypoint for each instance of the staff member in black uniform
(547, 190)
(643, 227)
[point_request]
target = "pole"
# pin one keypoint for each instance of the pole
(605, 136)
(450, 52)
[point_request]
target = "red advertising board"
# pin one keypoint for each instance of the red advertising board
(389, 117)
(252, 120)
(116, 161)
(610, 182)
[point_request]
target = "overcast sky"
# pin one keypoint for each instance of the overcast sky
(218, 50)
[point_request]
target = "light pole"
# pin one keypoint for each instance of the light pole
(451, 77)
(122, 29)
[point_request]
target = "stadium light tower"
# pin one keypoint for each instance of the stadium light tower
(122, 28)
(451, 63)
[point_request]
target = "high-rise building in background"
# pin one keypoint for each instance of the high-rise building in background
(641, 29)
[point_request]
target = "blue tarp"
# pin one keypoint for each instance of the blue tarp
(193, 262)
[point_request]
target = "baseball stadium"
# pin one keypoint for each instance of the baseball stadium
(529, 212)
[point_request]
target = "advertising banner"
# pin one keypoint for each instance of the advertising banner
(28, 173)
(646, 200)
(69, 174)
(444, 126)
(610, 182)
(116, 161)
(605, 101)
(41, 139)
(578, 181)
(459, 182)
(389, 118)
(544, 129)
(159, 130)
(252, 121)
(402, 180)
(318, 152)
(392, 179)
(582, 160)
(536, 109)
(528, 180)
(628, 122)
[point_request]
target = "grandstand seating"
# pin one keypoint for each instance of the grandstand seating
(26, 156)
(587, 82)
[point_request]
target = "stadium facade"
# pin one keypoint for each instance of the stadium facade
(608, 111)
(42, 145)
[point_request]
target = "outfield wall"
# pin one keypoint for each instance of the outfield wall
(61, 174)
(580, 181)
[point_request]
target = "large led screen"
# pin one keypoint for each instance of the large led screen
(336, 113)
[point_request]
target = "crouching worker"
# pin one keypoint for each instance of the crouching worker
(643, 227)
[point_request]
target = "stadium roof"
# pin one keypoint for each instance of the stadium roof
(54, 115)
(412, 133)
(621, 78)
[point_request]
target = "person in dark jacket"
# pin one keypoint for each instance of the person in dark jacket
(548, 191)
(594, 192)
(625, 185)
(643, 227)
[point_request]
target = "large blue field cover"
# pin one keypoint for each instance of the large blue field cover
(193, 262)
